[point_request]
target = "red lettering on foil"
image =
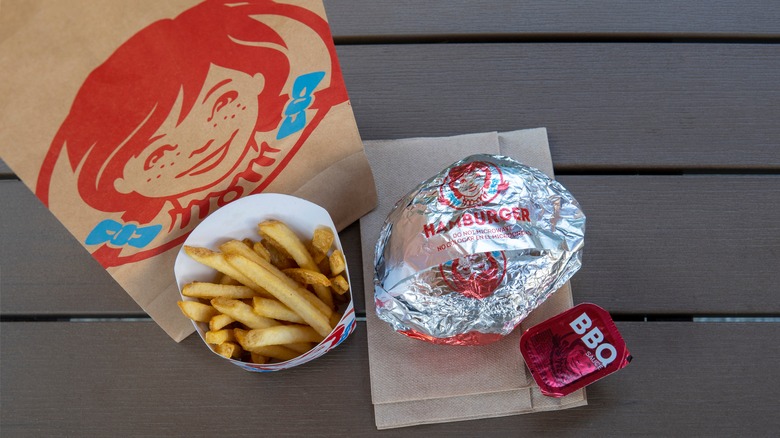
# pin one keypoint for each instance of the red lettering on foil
(479, 217)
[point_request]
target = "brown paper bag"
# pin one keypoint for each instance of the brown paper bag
(132, 121)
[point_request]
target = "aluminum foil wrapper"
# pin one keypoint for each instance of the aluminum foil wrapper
(467, 255)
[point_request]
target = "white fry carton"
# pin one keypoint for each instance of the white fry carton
(238, 220)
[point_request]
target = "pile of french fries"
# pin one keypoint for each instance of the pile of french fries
(272, 299)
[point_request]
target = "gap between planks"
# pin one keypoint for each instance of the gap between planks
(362, 318)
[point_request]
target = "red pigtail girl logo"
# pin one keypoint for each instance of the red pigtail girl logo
(187, 115)
(475, 275)
(471, 185)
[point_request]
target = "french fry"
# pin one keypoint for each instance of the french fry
(230, 350)
(307, 276)
(220, 321)
(219, 336)
(258, 358)
(274, 309)
(245, 249)
(322, 239)
(341, 299)
(300, 347)
(208, 291)
(280, 335)
(279, 233)
(324, 266)
(315, 301)
(334, 320)
(217, 261)
(226, 279)
(315, 253)
(283, 292)
(337, 262)
(197, 311)
(278, 257)
(340, 284)
(240, 248)
(261, 251)
(242, 313)
(275, 351)
(324, 294)
(310, 297)
(283, 319)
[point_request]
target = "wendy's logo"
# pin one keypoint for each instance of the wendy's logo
(187, 115)
(476, 275)
(471, 185)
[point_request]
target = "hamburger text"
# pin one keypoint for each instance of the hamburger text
(479, 217)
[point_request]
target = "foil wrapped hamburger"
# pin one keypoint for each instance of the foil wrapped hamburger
(468, 254)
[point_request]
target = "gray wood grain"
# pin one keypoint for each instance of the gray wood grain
(119, 379)
(654, 244)
(552, 18)
(605, 106)
(701, 245)
(45, 271)
(679, 244)
(42, 264)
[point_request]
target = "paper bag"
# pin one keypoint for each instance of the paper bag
(132, 121)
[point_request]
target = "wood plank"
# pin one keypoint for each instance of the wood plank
(33, 241)
(99, 379)
(679, 244)
(45, 271)
(606, 106)
(354, 20)
(655, 244)
(689, 256)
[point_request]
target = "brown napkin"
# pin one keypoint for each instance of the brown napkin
(414, 382)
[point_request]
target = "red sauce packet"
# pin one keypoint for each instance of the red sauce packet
(573, 349)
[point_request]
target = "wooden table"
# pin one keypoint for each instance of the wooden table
(664, 121)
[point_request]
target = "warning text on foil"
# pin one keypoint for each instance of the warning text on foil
(467, 227)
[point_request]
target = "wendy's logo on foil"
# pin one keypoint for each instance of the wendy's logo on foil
(187, 115)
(475, 275)
(471, 185)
